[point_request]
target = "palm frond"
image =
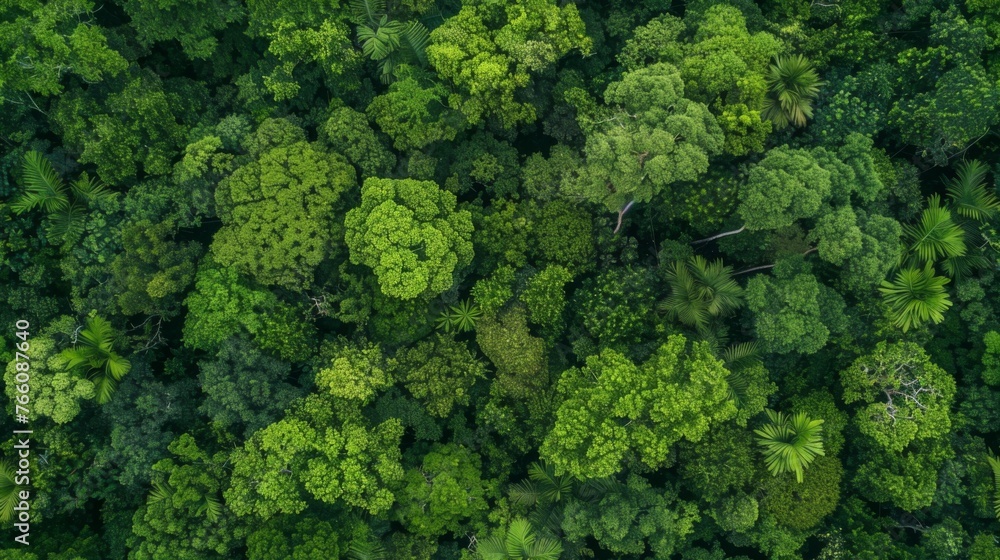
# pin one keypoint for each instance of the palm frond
(212, 508)
(553, 488)
(936, 235)
(700, 291)
(413, 42)
(520, 538)
(88, 189)
(8, 491)
(790, 444)
(968, 192)
(65, 224)
(460, 318)
(161, 491)
(741, 355)
(793, 83)
(44, 187)
(524, 493)
(915, 297)
(366, 550)
(104, 386)
(368, 11)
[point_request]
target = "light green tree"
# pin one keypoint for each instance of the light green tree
(653, 137)
(614, 409)
(410, 234)
(278, 214)
(489, 51)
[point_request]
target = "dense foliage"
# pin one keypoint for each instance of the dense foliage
(489, 280)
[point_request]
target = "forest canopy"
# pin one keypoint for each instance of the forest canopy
(496, 280)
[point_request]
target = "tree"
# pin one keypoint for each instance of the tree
(460, 318)
(904, 395)
(93, 356)
(439, 372)
(192, 23)
(519, 357)
(356, 372)
(347, 132)
(787, 185)
(324, 450)
(489, 52)
(915, 297)
(444, 493)
(790, 443)
(277, 214)
(42, 43)
(653, 137)
(792, 86)
(614, 410)
(414, 112)
(184, 515)
(701, 292)
(154, 269)
(793, 311)
(224, 304)
(410, 234)
(245, 388)
(635, 518)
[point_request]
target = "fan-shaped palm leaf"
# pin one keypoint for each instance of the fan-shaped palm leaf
(701, 291)
(44, 187)
(968, 192)
(793, 84)
(915, 297)
(460, 318)
(790, 444)
(936, 235)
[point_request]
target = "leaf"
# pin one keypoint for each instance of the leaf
(44, 187)
(8, 491)
(790, 444)
(212, 508)
(160, 492)
(915, 297)
(968, 192)
(936, 236)
(368, 10)
(413, 42)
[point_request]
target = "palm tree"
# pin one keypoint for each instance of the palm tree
(916, 296)
(995, 466)
(95, 352)
(737, 358)
(701, 291)
(460, 318)
(519, 542)
(792, 85)
(387, 41)
(968, 192)
(210, 506)
(8, 491)
(790, 444)
(45, 189)
(936, 236)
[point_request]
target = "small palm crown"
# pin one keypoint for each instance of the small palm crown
(790, 443)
